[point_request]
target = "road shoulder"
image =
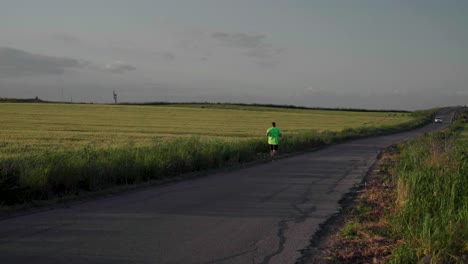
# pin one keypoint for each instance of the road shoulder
(339, 240)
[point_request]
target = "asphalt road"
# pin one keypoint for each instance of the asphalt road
(261, 214)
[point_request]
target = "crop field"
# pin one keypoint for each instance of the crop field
(49, 150)
(31, 127)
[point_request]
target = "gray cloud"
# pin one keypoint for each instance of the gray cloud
(119, 67)
(66, 39)
(259, 53)
(167, 56)
(253, 46)
(18, 63)
(241, 40)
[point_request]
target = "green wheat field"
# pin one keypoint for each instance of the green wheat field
(32, 127)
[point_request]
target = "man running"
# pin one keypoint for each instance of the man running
(273, 134)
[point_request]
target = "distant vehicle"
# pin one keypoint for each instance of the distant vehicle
(438, 119)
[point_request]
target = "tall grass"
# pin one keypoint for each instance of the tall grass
(432, 191)
(63, 171)
(59, 172)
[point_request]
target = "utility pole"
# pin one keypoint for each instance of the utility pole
(115, 97)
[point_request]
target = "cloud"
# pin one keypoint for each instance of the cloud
(18, 63)
(312, 89)
(241, 40)
(119, 67)
(66, 39)
(253, 46)
(259, 53)
(317, 91)
(167, 56)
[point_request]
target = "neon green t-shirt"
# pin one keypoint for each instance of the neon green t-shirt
(273, 135)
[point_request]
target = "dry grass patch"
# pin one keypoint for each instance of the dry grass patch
(367, 235)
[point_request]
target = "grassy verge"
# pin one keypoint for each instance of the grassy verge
(416, 209)
(432, 198)
(55, 172)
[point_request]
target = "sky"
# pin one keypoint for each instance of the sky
(373, 54)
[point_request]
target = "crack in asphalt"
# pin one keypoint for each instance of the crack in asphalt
(354, 164)
(282, 227)
(254, 255)
(305, 196)
(252, 259)
(303, 214)
(269, 197)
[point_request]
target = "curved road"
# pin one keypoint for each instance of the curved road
(262, 214)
